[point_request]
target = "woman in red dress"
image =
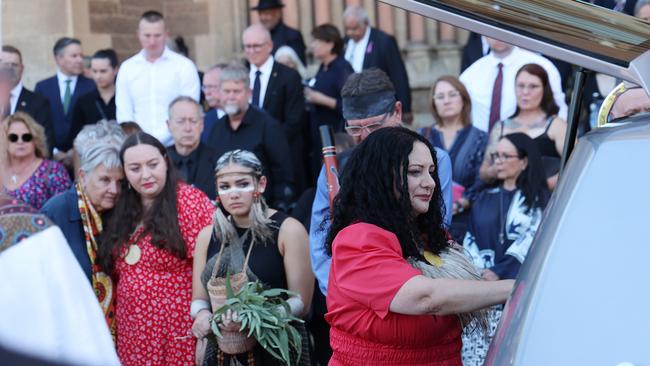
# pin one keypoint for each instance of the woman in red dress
(399, 292)
(148, 245)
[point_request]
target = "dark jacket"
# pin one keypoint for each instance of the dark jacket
(382, 52)
(90, 109)
(282, 35)
(284, 99)
(38, 108)
(62, 122)
(260, 134)
(202, 176)
(63, 210)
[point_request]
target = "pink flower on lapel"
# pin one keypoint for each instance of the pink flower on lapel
(369, 48)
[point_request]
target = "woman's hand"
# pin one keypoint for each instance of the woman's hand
(230, 321)
(201, 325)
(315, 97)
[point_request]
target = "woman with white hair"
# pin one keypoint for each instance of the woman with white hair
(288, 57)
(79, 210)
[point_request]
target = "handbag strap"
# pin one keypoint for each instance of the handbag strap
(238, 240)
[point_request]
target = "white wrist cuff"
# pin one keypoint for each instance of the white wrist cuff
(296, 305)
(198, 305)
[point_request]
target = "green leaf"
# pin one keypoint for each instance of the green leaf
(229, 292)
(284, 346)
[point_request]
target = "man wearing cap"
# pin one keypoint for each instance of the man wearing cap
(270, 13)
(369, 103)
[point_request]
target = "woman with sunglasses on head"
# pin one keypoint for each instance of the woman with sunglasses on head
(278, 247)
(147, 246)
(536, 116)
(452, 131)
(504, 221)
(27, 174)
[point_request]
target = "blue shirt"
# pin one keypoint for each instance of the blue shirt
(320, 260)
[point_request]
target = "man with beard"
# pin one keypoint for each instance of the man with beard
(249, 128)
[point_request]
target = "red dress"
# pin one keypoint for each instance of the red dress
(153, 296)
(366, 272)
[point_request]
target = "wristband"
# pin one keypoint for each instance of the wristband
(198, 305)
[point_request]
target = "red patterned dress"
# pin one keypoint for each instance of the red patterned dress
(154, 294)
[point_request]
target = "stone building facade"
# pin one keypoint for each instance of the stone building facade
(212, 28)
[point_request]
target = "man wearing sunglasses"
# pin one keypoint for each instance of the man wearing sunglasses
(369, 103)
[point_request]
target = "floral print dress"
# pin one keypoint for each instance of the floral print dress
(48, 180)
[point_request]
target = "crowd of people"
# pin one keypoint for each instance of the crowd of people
(160, 178)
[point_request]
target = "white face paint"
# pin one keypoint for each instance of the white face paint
(235, 189)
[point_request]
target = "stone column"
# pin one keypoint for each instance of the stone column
(322, 13)
(385, 18)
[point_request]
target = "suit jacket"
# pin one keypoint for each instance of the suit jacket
(382, 52)
(63, 210)
(472, 51)
(259, 133)
(62, 122)
(284, 100)
(203, 178)
(282, 35)
(39, 108)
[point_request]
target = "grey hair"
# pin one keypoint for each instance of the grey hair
(224, 228)
(104, 130)
(216, 67)
(235, 72)
(639, 5)
(184, 98)
(293, 56)
(104, 152)
(357, 13)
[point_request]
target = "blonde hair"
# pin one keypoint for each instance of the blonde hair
(37, 131)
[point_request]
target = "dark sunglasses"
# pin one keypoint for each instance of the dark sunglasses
(26, 137)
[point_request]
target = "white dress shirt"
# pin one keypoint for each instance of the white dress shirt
(479, 81)
(15, 94)
(265, 69)
(144, 90)
(355, 52)
(61, 77)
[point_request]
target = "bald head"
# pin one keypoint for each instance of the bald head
(258, 45)
(631, 102)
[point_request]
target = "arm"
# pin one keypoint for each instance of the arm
(397, 73)
(281, 170)
(444, 296)
(488, 171)
(124, 109)
(190, 84)
(320, 261)
(444, 174)
(477, 159)
(201, 325)
(293, 243)
(294, 105)
(316, 97)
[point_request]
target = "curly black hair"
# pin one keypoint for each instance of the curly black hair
(160, 220)
(374, 190)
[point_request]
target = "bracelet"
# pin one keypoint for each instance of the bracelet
(198, 305)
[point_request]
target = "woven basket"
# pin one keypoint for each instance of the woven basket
(234, 342)
(217, 288)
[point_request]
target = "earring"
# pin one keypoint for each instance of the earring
(217, 200)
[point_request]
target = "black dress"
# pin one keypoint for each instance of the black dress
(267, 265)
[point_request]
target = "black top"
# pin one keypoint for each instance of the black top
(329, 80)
(38, 108)
(265, 261)
(262, 135)
(89, 109)
(282, 35)
(197, 169)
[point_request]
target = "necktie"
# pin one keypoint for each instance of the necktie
(67, 96)
(257, 86)
(495, 106)
(184, 168)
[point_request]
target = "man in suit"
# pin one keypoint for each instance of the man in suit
(22, 99)
(247, 127)
(270, 13)
(194, 160)
(368, 47)
(212, 98)
(277, 89)
(63, 89)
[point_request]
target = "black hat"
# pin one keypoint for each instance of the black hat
(268, 4)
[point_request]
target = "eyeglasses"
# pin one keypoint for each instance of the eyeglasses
(451, 94)
(502, 157)
(358, 130)
(26, 137)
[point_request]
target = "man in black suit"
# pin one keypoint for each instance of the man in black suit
(270, 13)
(277, 89)
(247, 127)
(194, 160)
(63, 89)
(368, 47)
(23, 99)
